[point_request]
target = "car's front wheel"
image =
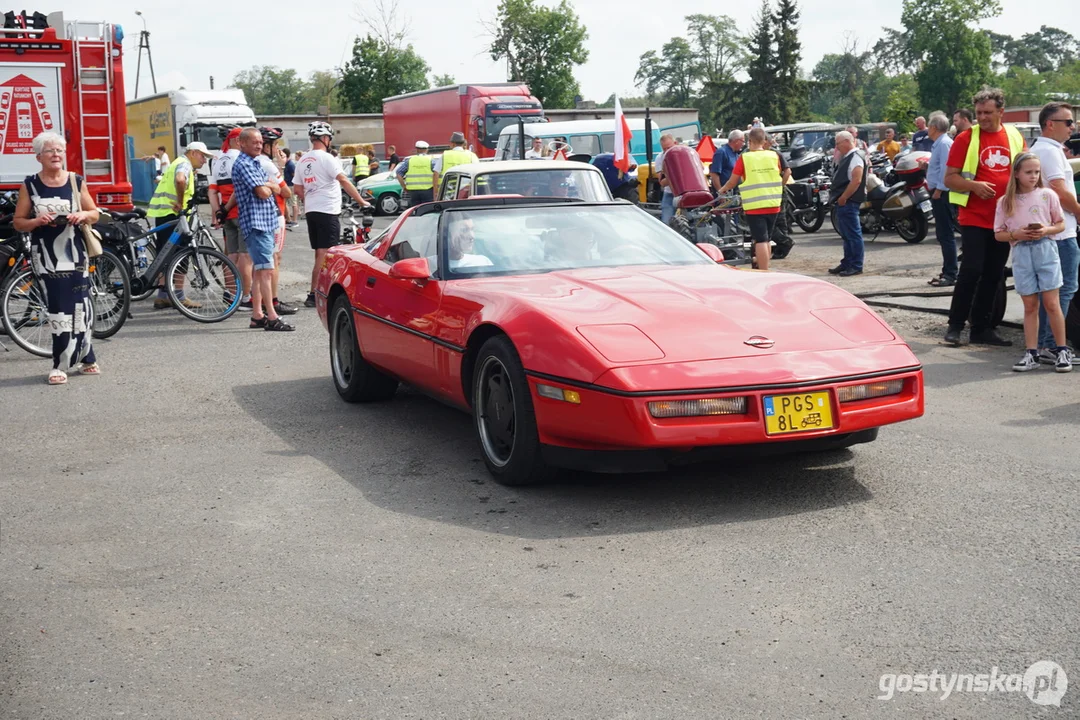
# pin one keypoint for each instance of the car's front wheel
(354, 379)
(389, 204)
(504, 418)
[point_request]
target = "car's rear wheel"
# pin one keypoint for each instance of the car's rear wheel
(354, 379)
(504, 418)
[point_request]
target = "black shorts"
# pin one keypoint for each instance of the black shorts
(761, 226)
(324, 230)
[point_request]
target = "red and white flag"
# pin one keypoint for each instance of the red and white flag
(622, 139)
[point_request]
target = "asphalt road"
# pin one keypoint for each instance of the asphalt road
(207, 531)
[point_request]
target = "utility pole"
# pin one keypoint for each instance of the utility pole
(144, 43)
(211, 82)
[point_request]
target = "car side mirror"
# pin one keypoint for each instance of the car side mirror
(712, 251)
(411, 269)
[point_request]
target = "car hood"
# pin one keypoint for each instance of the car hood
(377, 181)
(661, 314)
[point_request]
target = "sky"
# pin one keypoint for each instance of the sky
(188, 50)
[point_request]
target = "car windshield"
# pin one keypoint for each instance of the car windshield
(812, 139)
(494, 125)
(525, 240)
(583, 184)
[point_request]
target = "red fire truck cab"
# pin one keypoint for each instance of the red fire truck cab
(478, 111)
(65, 78)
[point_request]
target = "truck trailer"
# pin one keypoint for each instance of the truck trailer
(479, 111)
(176, 118)
(65, 77)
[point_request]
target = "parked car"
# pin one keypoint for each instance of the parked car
(383, 191)
(528, 178)
(588, 335)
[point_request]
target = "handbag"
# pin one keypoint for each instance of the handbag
(91, 237)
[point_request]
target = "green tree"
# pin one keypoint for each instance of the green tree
(721, 54)
(443, 80)
(953, 58)
(629, 101)
(759, 94)
(541, 47)
(271, 91)
(671, 75)
(840, 81)
(321, 89)
(900, 105)
(379, 70)
(791, 97)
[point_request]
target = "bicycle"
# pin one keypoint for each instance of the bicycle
(201, 282)
(23, 304)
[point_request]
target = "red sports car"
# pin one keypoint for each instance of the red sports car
(589, 335)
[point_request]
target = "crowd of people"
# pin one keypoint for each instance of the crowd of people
(1012, 199)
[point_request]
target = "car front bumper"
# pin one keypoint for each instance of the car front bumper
(621, 425)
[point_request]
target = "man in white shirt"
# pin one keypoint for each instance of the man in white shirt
(536, 152)
(318, 183)
(1056, 121)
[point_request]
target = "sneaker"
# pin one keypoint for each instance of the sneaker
(1064, 360)
(190, 305)
(246, 304)
(310, 301)
(1029, 361)
(160, 304)
(952, 336)
(989, 337)
(282, 308)
(1047, 356)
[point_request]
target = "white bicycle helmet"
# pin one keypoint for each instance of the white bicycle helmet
(320, 129)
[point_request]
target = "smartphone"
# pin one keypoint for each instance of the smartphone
(1034, 226)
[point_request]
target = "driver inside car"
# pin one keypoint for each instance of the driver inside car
(460, 248)
(571, 246)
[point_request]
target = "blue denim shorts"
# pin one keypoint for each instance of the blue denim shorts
(1036, 266)
(260, 246)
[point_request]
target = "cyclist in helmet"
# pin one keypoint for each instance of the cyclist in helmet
(274, 176)
(319, 182)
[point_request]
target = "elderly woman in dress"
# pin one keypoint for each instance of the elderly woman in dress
(46, 210)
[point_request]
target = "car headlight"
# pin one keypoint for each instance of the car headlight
(695, 408)
(851, 393)
(365, 193)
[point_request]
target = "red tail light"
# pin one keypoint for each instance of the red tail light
(114, 199)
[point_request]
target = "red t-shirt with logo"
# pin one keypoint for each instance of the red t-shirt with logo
(995, 166)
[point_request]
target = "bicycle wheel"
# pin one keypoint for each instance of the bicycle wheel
(203, 284)
(110, 291)
(207, 239)
(25, 313)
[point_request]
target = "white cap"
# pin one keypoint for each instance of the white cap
(422, 145)
(200, 147)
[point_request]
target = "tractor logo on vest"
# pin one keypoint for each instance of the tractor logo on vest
(995, 157)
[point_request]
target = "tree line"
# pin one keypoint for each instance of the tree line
(936, 59)
(540, 46)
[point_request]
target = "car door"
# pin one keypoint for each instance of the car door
(450, 186)
(401, 314)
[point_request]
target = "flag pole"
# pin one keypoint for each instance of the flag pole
(648, 141)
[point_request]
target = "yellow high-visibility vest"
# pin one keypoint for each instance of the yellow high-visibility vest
(762, 186)
(971, 160)
(419, 174)
(457, 156)
(161, 205)
(362, 167)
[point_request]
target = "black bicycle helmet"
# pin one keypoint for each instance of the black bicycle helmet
(270, 134)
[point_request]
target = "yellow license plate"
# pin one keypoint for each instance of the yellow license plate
(803, 412)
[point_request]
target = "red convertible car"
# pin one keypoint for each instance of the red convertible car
(588, 335)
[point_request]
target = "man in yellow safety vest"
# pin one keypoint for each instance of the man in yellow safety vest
(977, 173)
(456, 155)
(757, 173)
(171, 196)
(415, 175)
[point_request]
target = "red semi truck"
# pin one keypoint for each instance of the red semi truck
(479, 111)
(67, 78)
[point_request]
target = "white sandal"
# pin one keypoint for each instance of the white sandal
(89, 369)
(57, 377)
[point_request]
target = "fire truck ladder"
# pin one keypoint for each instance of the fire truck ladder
(94, 82)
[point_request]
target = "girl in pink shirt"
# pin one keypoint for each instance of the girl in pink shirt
(1028, 214)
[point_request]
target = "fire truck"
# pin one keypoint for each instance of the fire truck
(64, 77)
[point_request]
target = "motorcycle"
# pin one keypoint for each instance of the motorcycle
(356, 232)
(808, 195)
(903, 206)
